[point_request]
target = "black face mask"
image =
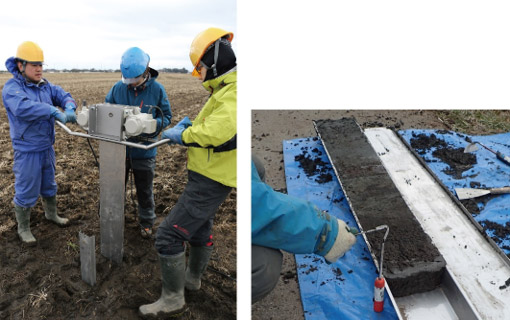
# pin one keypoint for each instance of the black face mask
(226, 60)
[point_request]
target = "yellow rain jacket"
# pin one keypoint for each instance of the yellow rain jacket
(212, 137)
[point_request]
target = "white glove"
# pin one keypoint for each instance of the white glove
(344, 241)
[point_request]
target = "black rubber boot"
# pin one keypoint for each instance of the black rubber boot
(197, 262)
(171, 301)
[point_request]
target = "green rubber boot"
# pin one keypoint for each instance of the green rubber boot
(50, 211)
(23, 219)
(171, 301)
(197, 262)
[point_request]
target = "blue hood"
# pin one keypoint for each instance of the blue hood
(12, 67)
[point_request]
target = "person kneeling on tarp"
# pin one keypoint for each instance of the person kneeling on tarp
(280, 221)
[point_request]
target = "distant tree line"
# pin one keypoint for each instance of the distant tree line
(173, 70)
(164, 70)
(81, 70)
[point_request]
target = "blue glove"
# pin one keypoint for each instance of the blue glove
(174, 134)
(69, 111)
(184, 123)
(58, 115)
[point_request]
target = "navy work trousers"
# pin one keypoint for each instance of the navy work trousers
(191, 219)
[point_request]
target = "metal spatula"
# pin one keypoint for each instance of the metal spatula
(469, 193)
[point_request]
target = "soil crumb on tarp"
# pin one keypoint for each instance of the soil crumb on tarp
(313, 165)
(471, 206)
(455, 158)
(476, 205)
(422, 142)
(500, 232)
(338, 274)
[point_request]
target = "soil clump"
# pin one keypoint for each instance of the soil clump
(457, 160)
(313, 165)
(500, 232)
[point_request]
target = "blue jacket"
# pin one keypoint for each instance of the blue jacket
(152, 95)
(284, 222)
(28, 105)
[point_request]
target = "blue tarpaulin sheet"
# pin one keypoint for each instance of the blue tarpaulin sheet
(344, 289)
(488, 172)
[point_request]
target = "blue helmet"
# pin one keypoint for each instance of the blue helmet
(134, 63)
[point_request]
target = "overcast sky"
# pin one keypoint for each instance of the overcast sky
(95, 33)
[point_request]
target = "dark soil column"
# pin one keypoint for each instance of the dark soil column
(412, 264)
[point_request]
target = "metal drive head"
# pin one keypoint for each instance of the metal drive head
(116, 122)
(107, 120)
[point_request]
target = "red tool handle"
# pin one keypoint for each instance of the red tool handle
(379, 294)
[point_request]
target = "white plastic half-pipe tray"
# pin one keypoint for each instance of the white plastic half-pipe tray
(475, 271)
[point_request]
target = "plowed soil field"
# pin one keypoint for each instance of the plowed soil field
(44, 281)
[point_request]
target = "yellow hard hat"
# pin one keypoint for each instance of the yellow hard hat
(203, 41)
(30, 51)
